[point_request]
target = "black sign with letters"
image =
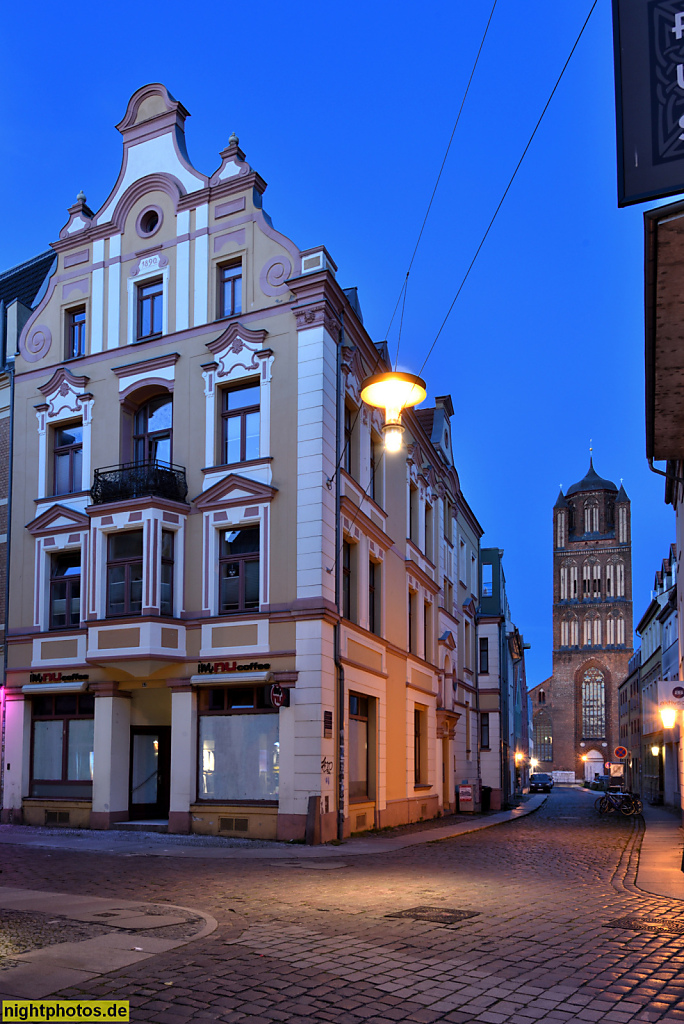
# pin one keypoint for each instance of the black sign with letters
(648, 37)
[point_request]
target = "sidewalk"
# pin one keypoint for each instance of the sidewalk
(143, 844)
(660, 860)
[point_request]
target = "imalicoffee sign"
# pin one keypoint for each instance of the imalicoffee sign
(648, 39)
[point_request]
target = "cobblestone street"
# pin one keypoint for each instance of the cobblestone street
(311, 941)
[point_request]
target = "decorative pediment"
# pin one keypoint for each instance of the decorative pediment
(233, 163)
(354, 370)
(64, 393)
(238, 348)
(447, 640)
(80, 217)
(235, 490)
(58, 519)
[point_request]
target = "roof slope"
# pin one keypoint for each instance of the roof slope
(24, 281)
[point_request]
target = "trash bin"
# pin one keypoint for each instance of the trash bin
(486, 797)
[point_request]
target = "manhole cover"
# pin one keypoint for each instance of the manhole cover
(648, 924)
(437, 915)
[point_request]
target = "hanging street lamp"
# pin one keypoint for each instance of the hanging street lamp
(393, 392)
(669, 716)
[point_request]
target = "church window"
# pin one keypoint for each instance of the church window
(574, 633)
(596, 582)
(573, 582)
(542, 697)
(620, 631)
(610, 631)
(620, 581)
(610, 580)
(586, 633)
(560, 530)
(622, 525)
(586, 581)
(563, 584)
(565, 633)
(593, 705)
(543, 736)
(591, 518)
(597, 632)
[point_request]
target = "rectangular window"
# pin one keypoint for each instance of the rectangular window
(348, 439)
(414, 507)
(484, 731)
(412, 598)
(62, 745)
(375, 483)
(484, 654)
(466, 646)
(68, 459)
(419, 746)
(124, 573)
(166, 588)
(429, 532)
(374, 616)
(229, 289)
(76, 328)
(426, 632)
(150, 309)
(240, 423)
(358, 747)
(239, 747)
(239, 570)
(65, 590)
(346, 580)
(487, 580)
(462, 567)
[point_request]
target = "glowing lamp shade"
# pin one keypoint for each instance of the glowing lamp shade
(655, 750)
(669, 717)
(393, 392)
(534, 762)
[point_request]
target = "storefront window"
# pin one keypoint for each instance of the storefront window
(239, 748)
(62, 757)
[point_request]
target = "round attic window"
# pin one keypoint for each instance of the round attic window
(149, 221)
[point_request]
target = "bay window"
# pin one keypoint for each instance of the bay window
(124, 573)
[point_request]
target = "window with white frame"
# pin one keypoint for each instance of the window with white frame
(239, 570)
(586, 581)
(573, 582)
(610, 631)
(67, 458)
(65, 590)
(622, 524)
(560, 530)
(597, 632)
(586, 635)
(620, 630)
(240, 427)
(610, 579)
(565, 633)
(574, 633)
(591, 518)
(620, 580)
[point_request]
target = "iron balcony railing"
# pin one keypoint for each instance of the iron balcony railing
(139, 480)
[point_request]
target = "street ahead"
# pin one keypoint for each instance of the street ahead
(311, 941)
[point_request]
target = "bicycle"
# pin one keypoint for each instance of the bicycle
(624, 803)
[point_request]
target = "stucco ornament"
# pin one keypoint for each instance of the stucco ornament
(37, 344)
(274, 274)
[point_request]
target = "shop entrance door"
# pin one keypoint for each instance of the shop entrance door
(150, 772)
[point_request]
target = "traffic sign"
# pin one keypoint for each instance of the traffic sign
(620, 752)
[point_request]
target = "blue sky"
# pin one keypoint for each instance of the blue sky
(346, 112)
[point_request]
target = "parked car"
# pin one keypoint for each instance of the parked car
(540, 782)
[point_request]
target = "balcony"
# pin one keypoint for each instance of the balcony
(139, 480)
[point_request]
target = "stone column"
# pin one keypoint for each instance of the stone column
(17, 767)
(183, 754)
(111, 755)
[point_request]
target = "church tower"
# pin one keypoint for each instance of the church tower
(575, 711)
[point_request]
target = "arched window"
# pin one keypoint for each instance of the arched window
(620, 579)
(565, 633)
(153, 431)
(591, 518)
(620, 630)
(560, 530)
(593, 705)
(563, 583)
(610, 579)
(622, 525)
(586, 632)
(586, 581)
(543, 736)
(574, 633)
(597, 632)
(573, 582)
(610, 631)
(541, 697)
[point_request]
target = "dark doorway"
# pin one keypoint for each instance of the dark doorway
(150, 772)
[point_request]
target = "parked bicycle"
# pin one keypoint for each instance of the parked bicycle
(619, 803)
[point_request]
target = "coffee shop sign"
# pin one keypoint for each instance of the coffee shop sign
(57, 677)
(210, 667)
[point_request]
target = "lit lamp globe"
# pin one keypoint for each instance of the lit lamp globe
(669, 717)
(655, 750)
(393, 392)
(533, 762)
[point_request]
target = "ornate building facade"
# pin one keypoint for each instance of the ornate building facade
(575, 716)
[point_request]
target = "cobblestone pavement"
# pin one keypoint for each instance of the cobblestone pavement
(310, 942)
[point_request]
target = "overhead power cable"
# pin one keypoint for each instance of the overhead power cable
(434, 191)
(507, 189)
